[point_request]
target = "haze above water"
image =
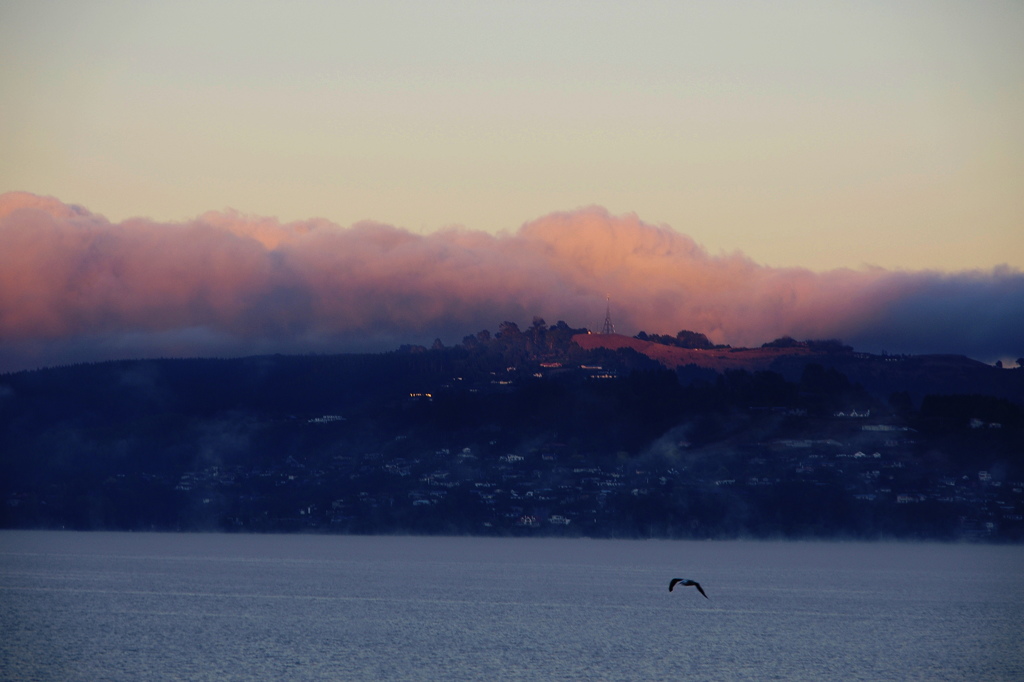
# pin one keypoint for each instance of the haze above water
(90, 606)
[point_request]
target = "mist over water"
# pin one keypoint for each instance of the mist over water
(207, 606)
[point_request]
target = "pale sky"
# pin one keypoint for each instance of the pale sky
(813, 134)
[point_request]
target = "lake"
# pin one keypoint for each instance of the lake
(130, 606)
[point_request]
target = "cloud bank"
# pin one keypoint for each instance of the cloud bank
(75, 287)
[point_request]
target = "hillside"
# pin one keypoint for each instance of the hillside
(718, 359)
(536, 431)
(918, 375)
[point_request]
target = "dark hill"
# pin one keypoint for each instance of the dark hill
(535, 431)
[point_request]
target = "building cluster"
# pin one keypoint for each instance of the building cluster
(548, 488)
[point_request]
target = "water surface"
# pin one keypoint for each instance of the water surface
(127, 606)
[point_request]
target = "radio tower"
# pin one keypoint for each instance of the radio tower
(609, 328)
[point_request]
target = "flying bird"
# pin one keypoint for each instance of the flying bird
(686, 583)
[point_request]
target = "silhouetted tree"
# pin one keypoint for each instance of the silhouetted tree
(509, 330)
(688, 339)
(783, 342)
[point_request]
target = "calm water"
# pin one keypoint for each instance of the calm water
(122, 606)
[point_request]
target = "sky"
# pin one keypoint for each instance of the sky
(236, 177)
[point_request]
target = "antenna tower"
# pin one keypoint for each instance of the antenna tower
(609, 328)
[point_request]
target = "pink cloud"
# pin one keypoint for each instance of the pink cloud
(74, 287)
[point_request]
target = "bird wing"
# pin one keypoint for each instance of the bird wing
(672, 584)
(700, 589)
